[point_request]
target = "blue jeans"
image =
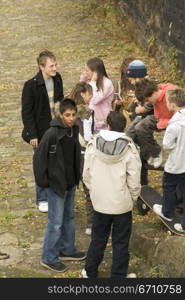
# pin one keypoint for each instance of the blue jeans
(60, 231)
(41, 194)
(170, 182)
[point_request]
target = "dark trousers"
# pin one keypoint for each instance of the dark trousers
(144, 173)
(170, 183)
(141, 130)
(101, 229)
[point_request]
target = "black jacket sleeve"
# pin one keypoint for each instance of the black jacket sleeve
(28, 111)
(62, 89)
(58, 89)
(40, 161)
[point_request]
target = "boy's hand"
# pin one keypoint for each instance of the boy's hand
(140, 109)
(34, 143)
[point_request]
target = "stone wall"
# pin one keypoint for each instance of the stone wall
(163, 251)
(158, 25)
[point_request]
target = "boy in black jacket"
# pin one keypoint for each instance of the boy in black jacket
(56, 167)
(40, 99)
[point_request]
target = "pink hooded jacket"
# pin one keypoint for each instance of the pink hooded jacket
(101, 102)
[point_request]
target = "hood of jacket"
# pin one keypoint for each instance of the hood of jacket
(57, 122)
(178, 117)
(110, 145)
(40, 79)
(62, 129)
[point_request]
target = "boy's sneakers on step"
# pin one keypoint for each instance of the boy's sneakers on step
(88, 231)
(158, 210)
(131, 275)
(76, 256)
(57, 267)
(150, 161)
(84, 274)
(43, 206)
(157, 161)
(179, 228)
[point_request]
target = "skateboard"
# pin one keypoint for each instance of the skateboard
(149, 197)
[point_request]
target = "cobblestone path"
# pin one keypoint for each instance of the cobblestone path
(27, 27)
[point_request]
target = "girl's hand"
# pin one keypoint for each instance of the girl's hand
(94, 76)
(135, 101)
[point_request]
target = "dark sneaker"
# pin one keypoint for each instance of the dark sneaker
(57, 267)
(76, 256)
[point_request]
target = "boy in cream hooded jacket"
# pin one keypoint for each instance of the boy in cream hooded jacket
(112, 174)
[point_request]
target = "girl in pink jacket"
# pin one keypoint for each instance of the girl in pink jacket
(103, 91)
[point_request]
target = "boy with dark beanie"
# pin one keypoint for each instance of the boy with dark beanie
(137, 71)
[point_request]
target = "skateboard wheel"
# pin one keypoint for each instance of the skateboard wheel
(142, 207)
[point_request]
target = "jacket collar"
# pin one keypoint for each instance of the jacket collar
(109, 135)
(40, 79)
(62, 130)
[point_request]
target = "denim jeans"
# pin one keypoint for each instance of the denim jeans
(41, 194)
(120, 227)
(170, 182)
(60, 231)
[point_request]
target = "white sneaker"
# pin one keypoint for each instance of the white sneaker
(157, 161)
(84, 274)
(150, 161)
(158, 210)
(178, 227)
(88, 231)
(131, 275)
(43, 206)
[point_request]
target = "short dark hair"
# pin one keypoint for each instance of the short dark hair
(67, 103)
(145, 88)
(42, 57)
(116, 121)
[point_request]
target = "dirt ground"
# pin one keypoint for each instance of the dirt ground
(74, 33)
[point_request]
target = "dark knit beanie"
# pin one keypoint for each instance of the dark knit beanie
(136, 69)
